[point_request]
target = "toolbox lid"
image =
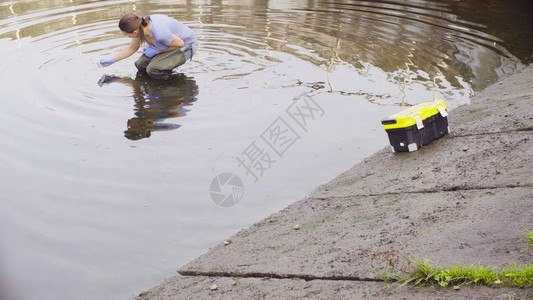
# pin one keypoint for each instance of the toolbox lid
(410, 116)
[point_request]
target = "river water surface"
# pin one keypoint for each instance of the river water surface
(106, 181)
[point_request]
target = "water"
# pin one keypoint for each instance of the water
(105, 180)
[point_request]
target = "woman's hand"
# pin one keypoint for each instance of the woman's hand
(107, 61)
(150, 52)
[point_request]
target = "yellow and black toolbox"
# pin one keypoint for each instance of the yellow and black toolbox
(416, 126)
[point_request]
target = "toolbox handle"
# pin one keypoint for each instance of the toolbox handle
(388, 121)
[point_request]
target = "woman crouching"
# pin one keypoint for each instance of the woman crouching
(170, 44)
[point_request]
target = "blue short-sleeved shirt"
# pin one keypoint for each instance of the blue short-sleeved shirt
(163, 29)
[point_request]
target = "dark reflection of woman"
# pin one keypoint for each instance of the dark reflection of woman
(155, 101)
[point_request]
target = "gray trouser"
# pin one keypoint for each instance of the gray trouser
(161, 65)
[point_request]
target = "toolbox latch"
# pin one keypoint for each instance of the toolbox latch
(442, 111)
(419, 123)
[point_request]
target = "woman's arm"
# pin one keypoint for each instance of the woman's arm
(176, 43)
(128, 50)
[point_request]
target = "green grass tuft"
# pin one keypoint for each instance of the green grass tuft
(426, 274)
(529, 237)
(521, 276)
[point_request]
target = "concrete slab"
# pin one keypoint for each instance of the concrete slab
(511, 114)
(199, 287)
(508, 114)
(360, 237)
(470, 162)
(502, 107)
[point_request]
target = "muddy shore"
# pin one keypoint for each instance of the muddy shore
(463, 199)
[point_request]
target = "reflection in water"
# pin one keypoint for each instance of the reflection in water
(446, 43)
(156, 101)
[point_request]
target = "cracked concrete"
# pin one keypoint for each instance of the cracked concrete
(199, 287)
(463, 199)
(348, 238)
(450, 163)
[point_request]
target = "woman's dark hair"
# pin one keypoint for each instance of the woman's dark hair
(131, 22)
